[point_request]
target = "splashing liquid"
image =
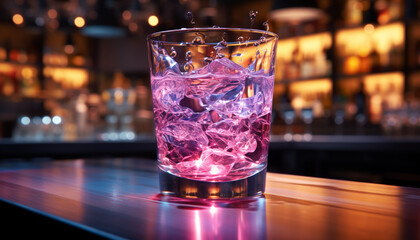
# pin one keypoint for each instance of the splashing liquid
(252, 16)
(198, 40)
(188, 67)
(219, 47)
(188, 56)
(172, 53)
(267, 27)
(208, 60)
(190, 18)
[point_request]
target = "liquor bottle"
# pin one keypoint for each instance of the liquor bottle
(375, 105)
(360, 100)
(353, 12)
(293, 71)
(375, 60)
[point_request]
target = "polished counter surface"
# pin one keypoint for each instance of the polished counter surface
(119, 198)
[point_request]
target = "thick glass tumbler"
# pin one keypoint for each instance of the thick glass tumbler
(212, 99)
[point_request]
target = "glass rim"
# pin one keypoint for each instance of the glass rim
(209, 29)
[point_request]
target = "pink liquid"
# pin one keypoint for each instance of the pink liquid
(213, 124)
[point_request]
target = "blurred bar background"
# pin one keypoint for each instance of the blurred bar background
(74, 80)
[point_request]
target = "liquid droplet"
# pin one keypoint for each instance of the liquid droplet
(237, 55)
(252, 16)
(220, 46)
(188, 56)
(267, 27)
(241, 39)
(173, 52)
(215, 26)
(263, 39)
(189, 67)
(161, 48)
(208, 60)
(257, 43)
(198, 40)
(190, 18)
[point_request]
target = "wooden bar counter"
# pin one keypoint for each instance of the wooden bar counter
(118, 198)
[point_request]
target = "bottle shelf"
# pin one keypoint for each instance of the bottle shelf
(306, 79)
(359, 75)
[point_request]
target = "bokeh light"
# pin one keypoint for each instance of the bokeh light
(153, 20)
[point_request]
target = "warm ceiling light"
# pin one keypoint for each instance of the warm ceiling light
(52, 13)
(126, 15)
(133, 27)
(153, 20)
(69, 49)
(295, 11)
(79, 22)
(17, 19)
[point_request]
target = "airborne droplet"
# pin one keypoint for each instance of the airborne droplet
(252, 16)
(190, 18)
(267, 27)
(173, 52)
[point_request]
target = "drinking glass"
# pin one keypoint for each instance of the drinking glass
(212, 97)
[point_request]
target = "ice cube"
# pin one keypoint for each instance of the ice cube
(216, 162)
(189, 167)
(252, 105)
(260, 83)
(227, 127)
(168, 91)
(245, 142)
(222, 66)
(260, 153)
(164, 116)
(166, 65)
(199, 86)
(228, 90)
(222, 134)
(242, 108)
(184, 130)
(260, 128)
(185, 150)
(212, 163)
(185, 140)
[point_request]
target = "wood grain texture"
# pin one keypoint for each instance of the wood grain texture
(119, 198)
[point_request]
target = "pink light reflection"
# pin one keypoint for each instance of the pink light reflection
(197, 224)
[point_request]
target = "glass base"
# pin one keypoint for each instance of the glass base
(183, 187)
